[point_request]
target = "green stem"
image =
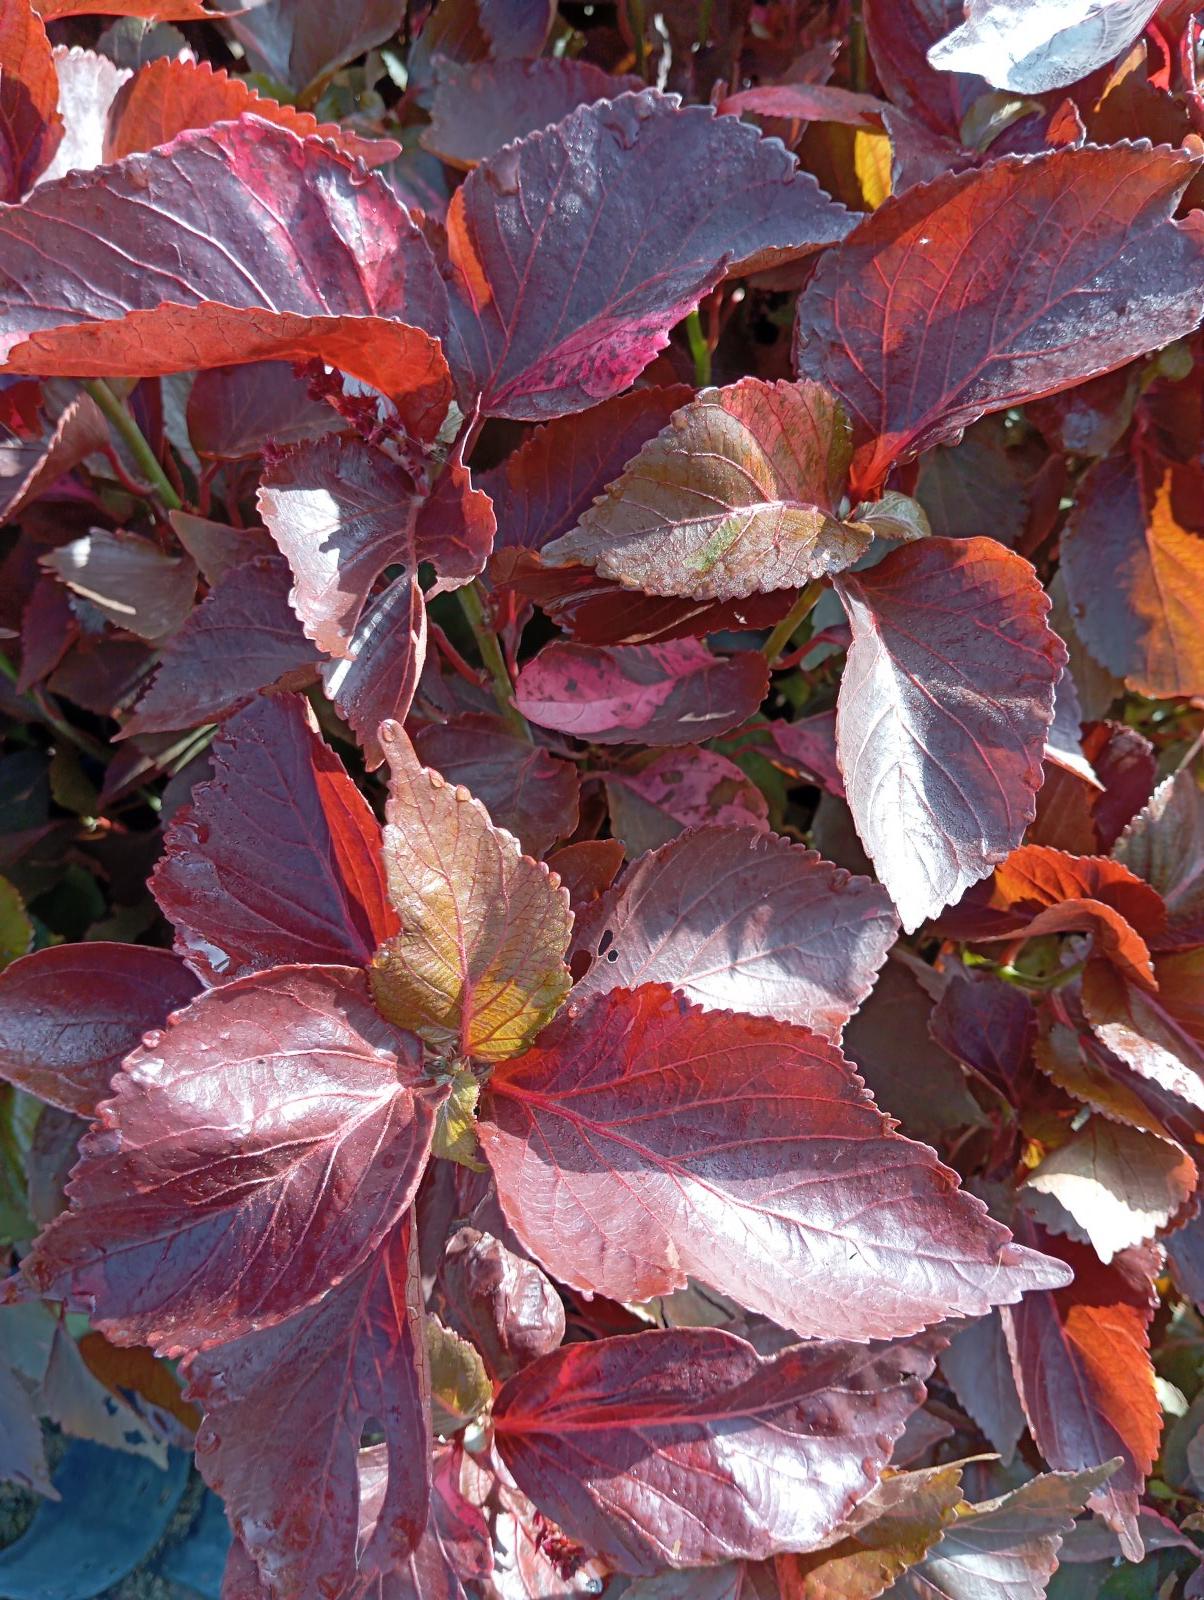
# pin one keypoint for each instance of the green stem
(491, 654)
(785, 630)
(704, 23)
(699, 349)
(858, 54)
(636, 16)
(1028, 980)
(120, 419)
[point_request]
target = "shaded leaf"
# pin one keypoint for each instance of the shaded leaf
(552, 309)
(990, 1026)
(1159, 1034)
(478, 967)
(740, 920)
(673, 693)
(806, 102)
(899, 34)
(1164, 844)
(677, 1448)
(277, 857)
(737, 496)
(942, 715)
(182, 1188)
(233, 412)
(301, 45)
(875, 322)
(652, 802)
(30, 124)
(68, 1014)
(978, 1368)
(1031, 49)
(16, 930)
(131, 580)
(460, 1386)
(644, 1140)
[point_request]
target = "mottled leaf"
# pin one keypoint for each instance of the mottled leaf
(653, 801)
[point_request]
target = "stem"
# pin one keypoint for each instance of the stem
(704, 24)
(120, 419)
(473, 607)
(785, 630)
(635, 15)
(858, 56)
(699, 349)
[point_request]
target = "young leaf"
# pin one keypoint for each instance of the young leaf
(478, 966)
(1164, 844)
(277, 858)
(1135, 580)
(644, 1140)
(740, 920)
(501, 1301)
(552, 308)
(1080, 1355)
(943, 710)
(310, 1386)
(671, 694)
(976, 247)
(1031, 49)
(68, 1014)
(736, 496)
(254, 1154)
(683, 1447)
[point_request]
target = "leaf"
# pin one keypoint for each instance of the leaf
(501, 1301)
(944, 705)
(670, 694)
(1031, 49)
(302, 46)
(277, 857)
(30, 125)
(541, 490)
(460, 1386)
(1002, 1549)
(479, 109)
(1080, 1355)
(978, 1368)
(1160, 1034)
(456, 526)
(478, 967)
(553, 310)
(644, 1140)
(340, 512)
(69, 1013)
(234, 411)
(806, 102)
(526, 789)
(311, 1385)
(874, 323)
(242, 637)
(131, 580)
(1120, 1185)
(167, 96)
(16, 930)
(222, 279)
(1135, 580)
(737, 496)
(148, 10)
(683, 1447)
(377, 681)
(280, 1125)
(87, 86)
(652, 802)
(990, 1027)
(740, 920)
(1164, 844)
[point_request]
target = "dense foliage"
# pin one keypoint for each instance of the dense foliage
(602, 619)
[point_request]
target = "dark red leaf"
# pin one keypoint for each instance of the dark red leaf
(233, 412)
(68, 1014)
(541, 490)
(740, 920)
(1135, 580)
(806, 102)
(524, 788)
(33, 462)
(311, 1385)
(641, 694)
(1160, 1035)
(456, 524)
(990, 1026)
(460, 32)
(875, 322)
(277, 858)
(900, 34)
(1080, 1355)
(242, 637)
(1164, 844)
(478, 110)
(132, 581)
(549, 319)
(30, 124)
(378, 678)
(653, 801)
(644, 1140)
(501, 1301)
(943, 711)
(806, 749)
(299, 44)
(683, 1447)
(216, 547)
(587, 869)
(252, 1156)
(977, 1366)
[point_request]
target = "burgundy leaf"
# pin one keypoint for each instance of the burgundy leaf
(216, 547)
(1164, 844)
(542, 489)
(684, 1447)
(241, 638)
(33, 462)
(943, 710)
(553, 308)
(641, 694)
(740, 920)
(340, 512)
(977, 248)
(478, 110)
(300, 44)
(131, 580)
(277, 858)
(311, 1385)
(253, 1156)
(1080, 1355)
(30, 124)
(378, 678)
(990, 1026)
(644, 1140)
(653, 801)
(233, 412)
(68, 1014)
(501, 1301)
(525, 789)
(806, 102)
(588, 868)
(1033, 48)
(977, 1366)
(806, 749)
(735, 497)
(899, 34)
(1157, 1030)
